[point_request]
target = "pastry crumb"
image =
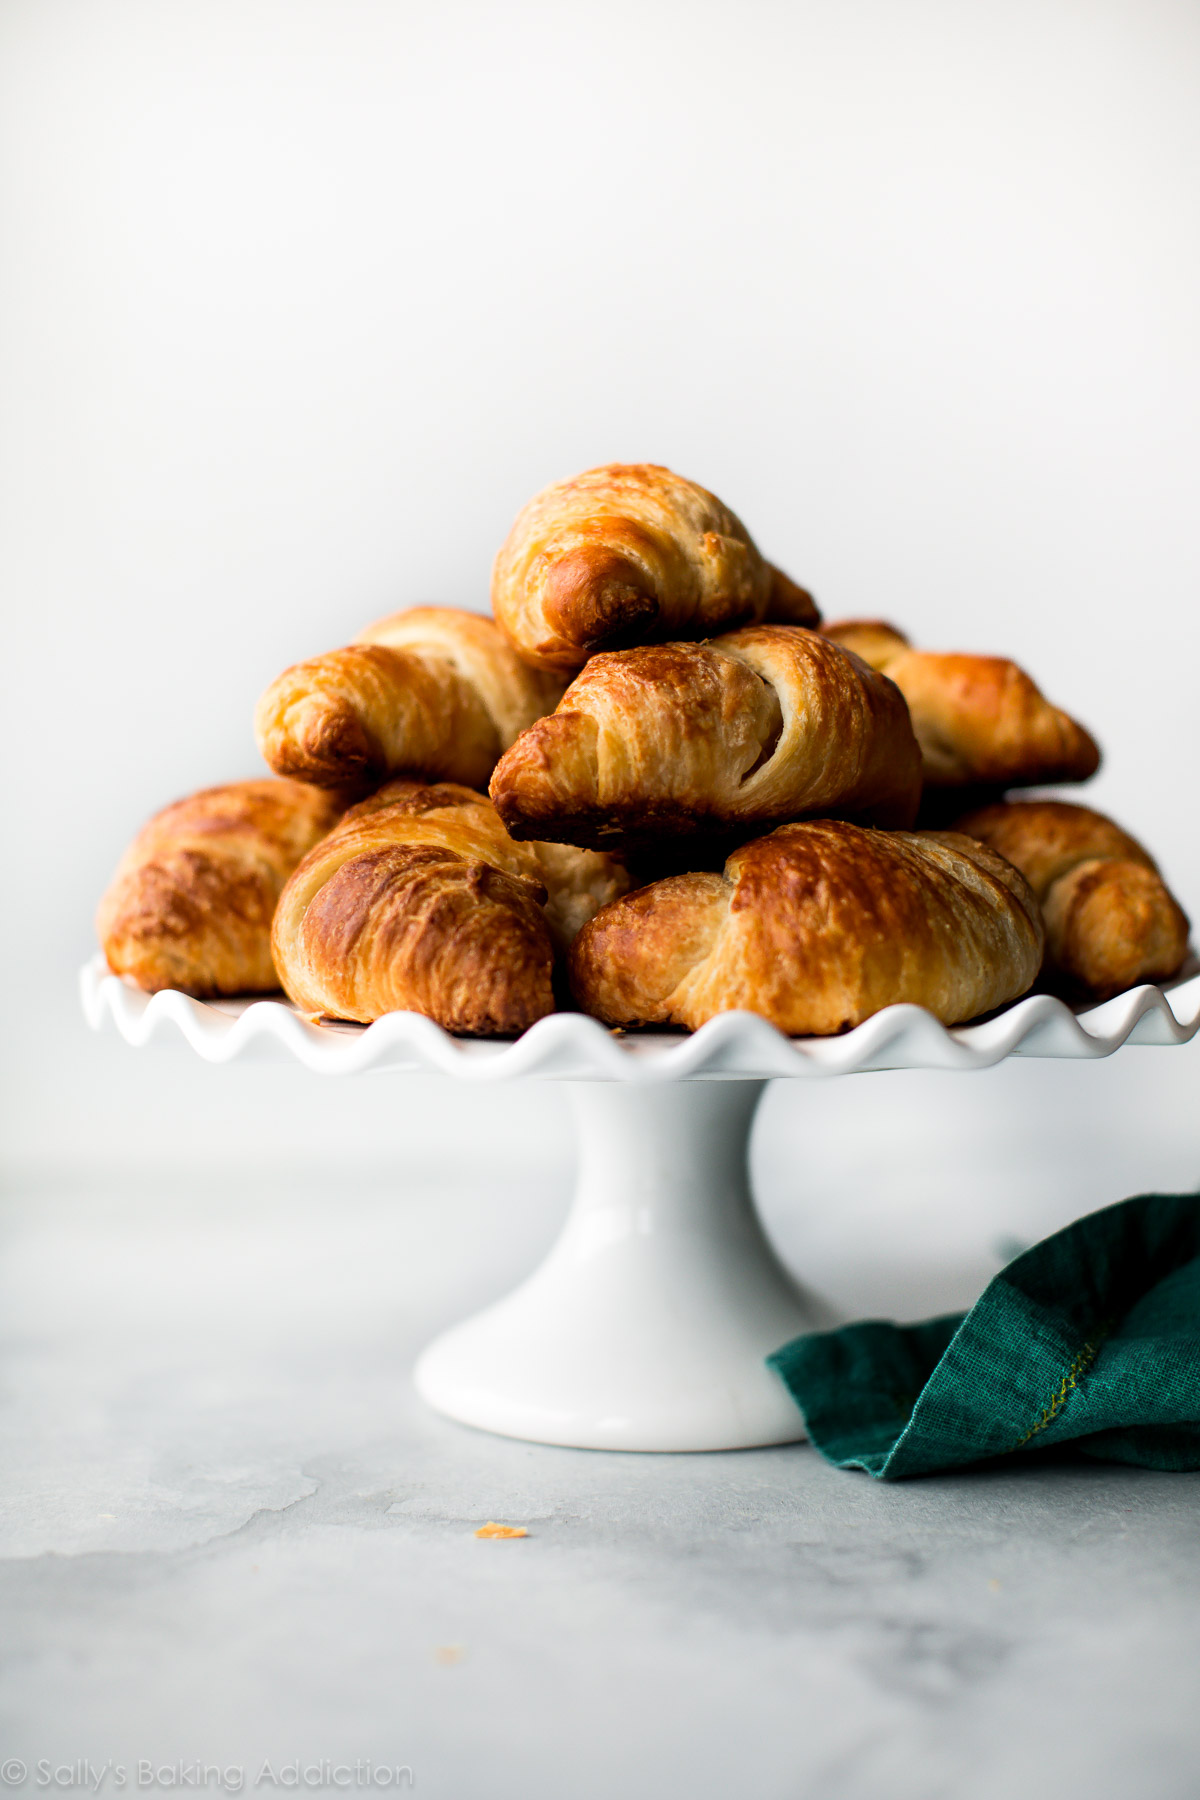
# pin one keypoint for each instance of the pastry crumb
(492, 1530)
(446, 1655)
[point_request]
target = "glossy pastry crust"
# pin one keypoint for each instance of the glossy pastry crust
(421, 902)
(980, 720)
(1111, 920)
(191, 903)
(755, 727)
(631, 553)
(434, 691)
(816, 927)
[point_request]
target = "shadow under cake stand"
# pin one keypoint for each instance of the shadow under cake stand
(647, 1325)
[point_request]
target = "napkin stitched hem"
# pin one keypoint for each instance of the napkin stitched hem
(1091, 1338)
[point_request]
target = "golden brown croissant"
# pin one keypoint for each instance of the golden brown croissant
(1111, 920)
(815, 928)
(190, 905)
(753, 728)
(421, 902)
(979, 720)
(631, 554)
(433, 690)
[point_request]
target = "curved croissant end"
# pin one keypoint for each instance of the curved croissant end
(420, 902)
(754, 727)
(816, 927)
(626, 554)
(788, 603)
(398, 928)
(1111, 920)
(191, 903)
(434, 691)
(980, 720)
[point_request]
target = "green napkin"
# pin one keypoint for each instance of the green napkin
(1091, 1338)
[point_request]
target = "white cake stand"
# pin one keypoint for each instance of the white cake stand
(646, 1326)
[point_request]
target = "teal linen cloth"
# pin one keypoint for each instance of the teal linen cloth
(1091, 1339)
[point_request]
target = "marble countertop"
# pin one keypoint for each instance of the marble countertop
(238, 1553)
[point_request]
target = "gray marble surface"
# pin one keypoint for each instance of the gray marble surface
(232, 1537)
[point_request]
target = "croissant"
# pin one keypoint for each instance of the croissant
(816, 927)
(979, 720)
(421, 902)
(1111, 920)
(746, 731)
(433, 690)
(629, 554)
(191, 902)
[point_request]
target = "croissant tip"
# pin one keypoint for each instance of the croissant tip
(594, 597)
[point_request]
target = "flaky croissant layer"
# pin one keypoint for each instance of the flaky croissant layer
(816, 927)
(631, 553)
(434, 691)
(421, 902)
(1111, 920)
(191, 903)
(748, 730)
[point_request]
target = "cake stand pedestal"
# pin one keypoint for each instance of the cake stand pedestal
(647, 1325)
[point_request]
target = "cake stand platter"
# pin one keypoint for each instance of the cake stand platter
(647, 1325)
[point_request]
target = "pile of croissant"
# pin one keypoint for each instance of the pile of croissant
(653, 787)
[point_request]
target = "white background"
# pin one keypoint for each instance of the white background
(301, 301)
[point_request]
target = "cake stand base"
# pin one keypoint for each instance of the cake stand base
(646, 1326)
